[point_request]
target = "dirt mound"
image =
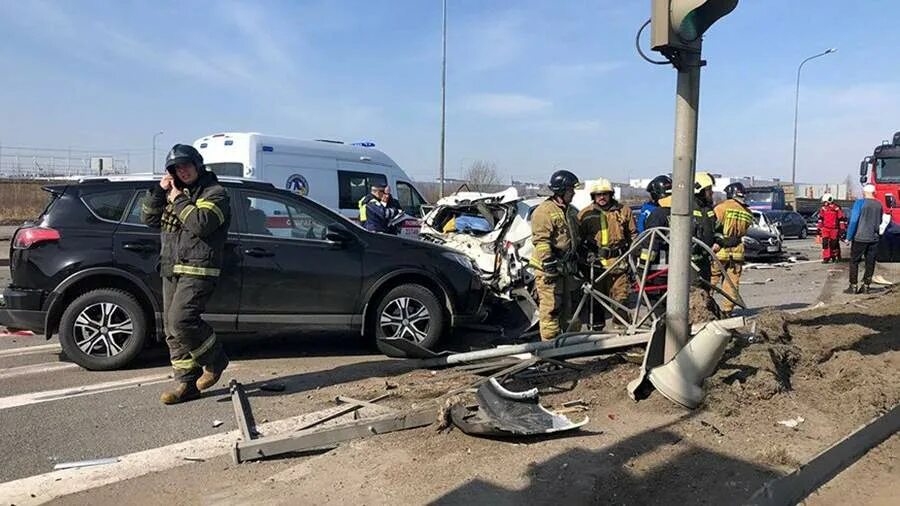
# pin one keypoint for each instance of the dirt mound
(842, 359)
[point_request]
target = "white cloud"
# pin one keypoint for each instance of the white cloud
(504, 104)
(488, 43)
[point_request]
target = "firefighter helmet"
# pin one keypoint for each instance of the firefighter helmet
(735, 190)
(181, 153)
(601, 185)
(827, 197)
(563, 180)
(659, 187)
(702, 181)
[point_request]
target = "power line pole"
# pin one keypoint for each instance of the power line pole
(443, 96)
(797, 114)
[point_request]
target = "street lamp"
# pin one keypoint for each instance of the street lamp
(443, 94)
(157, 134)
(797, 112)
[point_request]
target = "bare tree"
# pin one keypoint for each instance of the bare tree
(482, 176)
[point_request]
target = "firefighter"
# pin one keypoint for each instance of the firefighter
(659, 187)
(831, 225)
(554, 233)
(703, 221)
(192, 209)
(610, 227)
(733, 219)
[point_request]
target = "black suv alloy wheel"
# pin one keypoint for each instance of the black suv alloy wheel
(103, 329)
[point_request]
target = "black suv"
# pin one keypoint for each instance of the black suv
(88, 269)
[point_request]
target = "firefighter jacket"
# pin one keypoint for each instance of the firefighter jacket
(554, 233)
(734, 219)
(611, 229)
(831, 217)
(194, 227)
(703, 225)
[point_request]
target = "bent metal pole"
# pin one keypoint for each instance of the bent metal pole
(686, 105)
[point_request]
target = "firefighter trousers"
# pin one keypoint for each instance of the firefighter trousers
(192, 342)
(555, 303)
(732, 270)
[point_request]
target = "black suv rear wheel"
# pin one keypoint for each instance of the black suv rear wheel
(409, 312)
(103, 329)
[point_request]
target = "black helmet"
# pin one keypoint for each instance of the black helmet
(735, 190)
(659, 187)
(181, 153)
(563, 180)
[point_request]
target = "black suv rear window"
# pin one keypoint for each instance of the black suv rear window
(109, 205)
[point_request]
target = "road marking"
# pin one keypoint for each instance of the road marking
(45, 487)
(30, 350)
(27, 399)
(12, 372)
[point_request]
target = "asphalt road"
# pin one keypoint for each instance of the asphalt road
(52, 411)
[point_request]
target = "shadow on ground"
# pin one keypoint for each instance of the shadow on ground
(653, 467)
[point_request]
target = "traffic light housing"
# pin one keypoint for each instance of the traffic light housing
(679, 24)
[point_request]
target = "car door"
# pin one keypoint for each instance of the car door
(292, 274)
(136, 247)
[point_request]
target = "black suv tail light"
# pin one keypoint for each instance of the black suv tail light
(32, 236)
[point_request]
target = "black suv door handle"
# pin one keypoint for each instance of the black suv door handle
(139, 246)
(258, 252)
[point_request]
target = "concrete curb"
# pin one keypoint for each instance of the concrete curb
(793, 488)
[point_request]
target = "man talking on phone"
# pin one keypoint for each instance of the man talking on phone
(192, 210)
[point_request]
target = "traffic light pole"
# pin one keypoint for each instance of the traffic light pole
(687, 102)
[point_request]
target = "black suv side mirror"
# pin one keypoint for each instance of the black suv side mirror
(338, 235)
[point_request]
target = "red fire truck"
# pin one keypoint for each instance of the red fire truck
(882, 169)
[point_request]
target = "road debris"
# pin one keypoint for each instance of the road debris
(252, 446)
(792, 423)
(272, 387)
(501, 412)
(85, 463)
(217, 423)
(712, 427)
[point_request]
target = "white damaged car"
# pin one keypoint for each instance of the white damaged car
(494, 230)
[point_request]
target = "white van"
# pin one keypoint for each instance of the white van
(332, 173)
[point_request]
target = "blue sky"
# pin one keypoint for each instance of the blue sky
(532, 85)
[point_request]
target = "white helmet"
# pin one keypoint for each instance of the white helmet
(827, 197)
(601, 185)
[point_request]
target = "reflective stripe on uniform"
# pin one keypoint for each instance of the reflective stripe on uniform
(152, 210)
(187, 364)
(188, 209)
(203, 348)
(210, 206)
(709, 213)
(194, 270)
(362, 208)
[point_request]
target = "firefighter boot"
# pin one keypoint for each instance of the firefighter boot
(212, 373)
(851, 290)
(183, 392)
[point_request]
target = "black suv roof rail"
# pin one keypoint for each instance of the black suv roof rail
(250, 183)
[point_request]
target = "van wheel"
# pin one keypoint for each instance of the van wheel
(103, 329)
(410, 312)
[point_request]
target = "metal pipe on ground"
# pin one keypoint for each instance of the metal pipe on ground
(559, 342)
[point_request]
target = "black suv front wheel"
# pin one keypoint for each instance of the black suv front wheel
(410, 312)
(103, 329)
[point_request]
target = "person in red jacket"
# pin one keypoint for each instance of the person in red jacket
(832, 225)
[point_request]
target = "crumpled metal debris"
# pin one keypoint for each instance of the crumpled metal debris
(501, 412)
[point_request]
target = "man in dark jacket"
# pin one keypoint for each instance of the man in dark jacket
(192, 209)
(867, 222)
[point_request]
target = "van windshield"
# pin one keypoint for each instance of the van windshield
(227, 169)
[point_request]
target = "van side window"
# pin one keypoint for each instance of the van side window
(353, 185)
(409, 199)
